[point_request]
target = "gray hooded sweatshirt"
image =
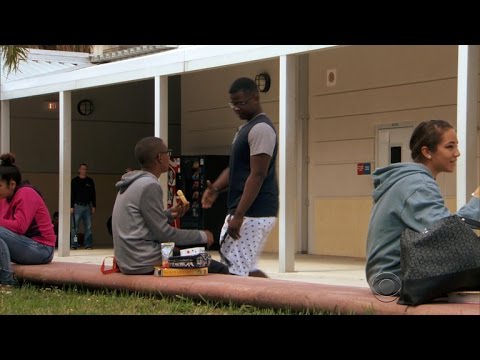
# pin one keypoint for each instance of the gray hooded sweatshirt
(405, 195)
(140, 224)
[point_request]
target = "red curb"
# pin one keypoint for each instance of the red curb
(259, 292)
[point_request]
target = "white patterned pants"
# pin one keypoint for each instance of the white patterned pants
(241, 255)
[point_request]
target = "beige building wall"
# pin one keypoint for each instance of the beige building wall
(104, 140)
(104, 184)
(375, 85)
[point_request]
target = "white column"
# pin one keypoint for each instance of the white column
(287, 163)
(65, 173)
(161, 120)
(5, 127)
(302, 153)
(467, 115)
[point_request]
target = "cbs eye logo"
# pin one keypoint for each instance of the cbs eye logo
(386, 286)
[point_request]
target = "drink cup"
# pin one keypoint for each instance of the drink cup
(167, 251)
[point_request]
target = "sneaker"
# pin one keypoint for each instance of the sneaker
(88, 247)
(8, 283)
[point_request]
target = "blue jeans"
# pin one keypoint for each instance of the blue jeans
(21, 250)
(84, 213)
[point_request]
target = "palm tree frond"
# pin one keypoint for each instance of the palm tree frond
(13, 55)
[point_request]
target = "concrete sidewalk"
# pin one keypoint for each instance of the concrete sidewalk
(316, 269)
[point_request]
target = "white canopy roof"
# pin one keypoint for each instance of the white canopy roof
(59, 75)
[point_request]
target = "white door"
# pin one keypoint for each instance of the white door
(393, 145)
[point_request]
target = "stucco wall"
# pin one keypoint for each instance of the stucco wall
(374, 85)
(104, 140)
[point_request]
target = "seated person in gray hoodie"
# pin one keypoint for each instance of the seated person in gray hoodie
(406, 195)
(139, 221)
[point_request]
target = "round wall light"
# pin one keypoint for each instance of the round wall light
(263, 82)
(85, 107)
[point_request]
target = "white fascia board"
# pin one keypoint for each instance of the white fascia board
(207, 57)
(172, 62)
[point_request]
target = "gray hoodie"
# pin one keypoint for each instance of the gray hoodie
(405, 195)
(140, 224)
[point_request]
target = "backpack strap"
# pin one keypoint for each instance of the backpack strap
(473, 223)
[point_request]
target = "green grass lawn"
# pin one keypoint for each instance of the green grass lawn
(30, 299)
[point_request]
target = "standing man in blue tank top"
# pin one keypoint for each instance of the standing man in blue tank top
(251, 182)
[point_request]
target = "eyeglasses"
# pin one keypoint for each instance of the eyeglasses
(169, 152)
(239, 103)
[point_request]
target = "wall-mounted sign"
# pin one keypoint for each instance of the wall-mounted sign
(363, 169)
